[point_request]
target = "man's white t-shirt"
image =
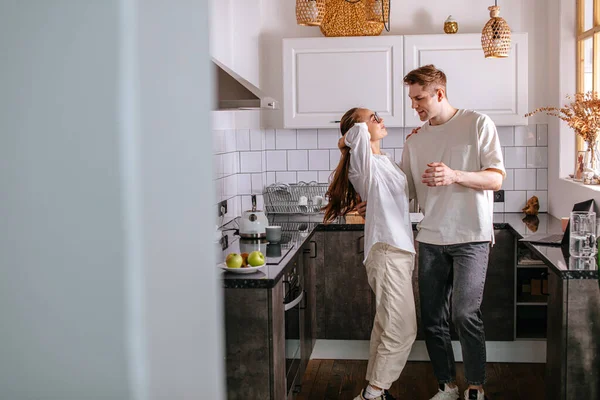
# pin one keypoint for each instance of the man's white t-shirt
(454, 214)
(380, 182)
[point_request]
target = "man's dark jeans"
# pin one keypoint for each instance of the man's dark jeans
(458, 270)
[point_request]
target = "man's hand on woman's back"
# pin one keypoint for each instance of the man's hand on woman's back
(361, 208)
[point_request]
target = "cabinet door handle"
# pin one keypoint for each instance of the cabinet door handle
(315, 248)
(360, 249)
(293, 303)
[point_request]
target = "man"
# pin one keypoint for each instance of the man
(452, 166)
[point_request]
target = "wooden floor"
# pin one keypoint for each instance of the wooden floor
(343, 379)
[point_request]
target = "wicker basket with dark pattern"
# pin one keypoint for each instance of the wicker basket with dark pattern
(347, 18)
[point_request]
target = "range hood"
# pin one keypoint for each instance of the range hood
(235, 93)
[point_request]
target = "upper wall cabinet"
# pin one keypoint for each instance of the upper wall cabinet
(325, 77)
(496, 87)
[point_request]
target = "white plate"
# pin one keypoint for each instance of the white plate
(247, 270)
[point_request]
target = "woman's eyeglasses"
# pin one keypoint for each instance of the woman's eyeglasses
(376, 117)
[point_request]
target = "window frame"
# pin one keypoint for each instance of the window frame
(581, 36)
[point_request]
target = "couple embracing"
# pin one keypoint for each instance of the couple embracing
(450, 166)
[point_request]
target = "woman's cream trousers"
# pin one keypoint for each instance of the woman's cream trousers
(389, 271)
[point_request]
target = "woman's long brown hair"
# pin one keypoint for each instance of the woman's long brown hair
(341, 194)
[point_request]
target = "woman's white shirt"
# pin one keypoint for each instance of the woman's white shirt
(382, 184)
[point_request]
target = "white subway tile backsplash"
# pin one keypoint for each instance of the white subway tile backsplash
(498, 207)
(398, 156)
(257, 184)
(515, 157)
(306, 139)
(251, 161)
(508, 183)
(334, 158)
(270, 139)
(217, 166)
(324, 176)
(514, 201)
(506, 135)
(525, 179)
(285, 139)
(218, 141)
(542, 135)
(230, 163)
(244, 184)
(218, 184)
(230, 141)
(308, 176)
(542, 179)
(328, 138)
(242, 137)
(245, 161)
(537, 157)
(394, 138)
(318, 160)
(525, 135)
(286, 177)
(230, 184)
(542, 196)
(276, 160)
(270, 178)
(257, 137)
(297, 160)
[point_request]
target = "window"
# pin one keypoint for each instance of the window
(588, 50)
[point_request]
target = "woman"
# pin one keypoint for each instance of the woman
(365, 171)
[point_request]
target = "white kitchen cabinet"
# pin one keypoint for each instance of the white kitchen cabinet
(324, 77)
(496, 87)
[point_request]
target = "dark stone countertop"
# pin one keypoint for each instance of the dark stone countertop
(553, 257)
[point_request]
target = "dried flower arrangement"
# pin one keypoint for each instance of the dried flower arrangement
(582, 115)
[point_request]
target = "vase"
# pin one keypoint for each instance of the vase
(592, 164)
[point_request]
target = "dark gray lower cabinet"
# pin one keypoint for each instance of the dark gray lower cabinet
(573, 346)
(255, 335)
(255, 343)
(345, 302)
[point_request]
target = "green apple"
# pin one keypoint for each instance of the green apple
(256, 258)
(234, 260)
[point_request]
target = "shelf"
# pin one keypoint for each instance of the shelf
(536, 266)
(531, 304)
(531, 299)
(531, 321)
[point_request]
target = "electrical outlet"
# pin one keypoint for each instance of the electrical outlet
(224, 242)
(222, 208)
(499, 196)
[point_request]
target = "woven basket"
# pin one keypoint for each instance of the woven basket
(495, 36)
(343, 18)
(310, 12)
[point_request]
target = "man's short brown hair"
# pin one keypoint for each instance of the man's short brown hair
(427, 76)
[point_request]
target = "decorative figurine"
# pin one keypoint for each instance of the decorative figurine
(450, 25)
(532, 207)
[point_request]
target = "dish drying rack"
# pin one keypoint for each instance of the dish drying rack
(283, 198)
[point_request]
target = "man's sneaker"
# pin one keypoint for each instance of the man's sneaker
(384, 396)
(445, 392)
(474, 394)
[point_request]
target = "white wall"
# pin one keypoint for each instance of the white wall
(561, 139)
(409, 18)
(104, 171)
